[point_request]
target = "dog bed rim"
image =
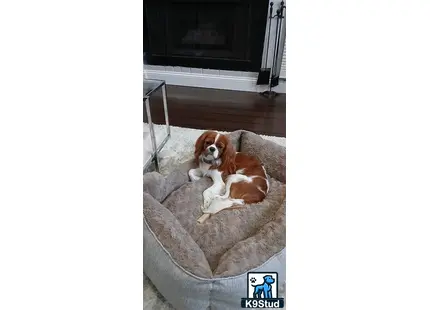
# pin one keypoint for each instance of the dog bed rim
(200, 278)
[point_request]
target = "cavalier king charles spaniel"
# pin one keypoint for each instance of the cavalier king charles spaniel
(238, 179)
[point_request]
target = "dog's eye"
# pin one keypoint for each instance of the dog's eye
(220, 146)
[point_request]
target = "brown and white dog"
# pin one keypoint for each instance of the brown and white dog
(238, 179)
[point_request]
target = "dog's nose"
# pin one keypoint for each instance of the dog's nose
(212, 149)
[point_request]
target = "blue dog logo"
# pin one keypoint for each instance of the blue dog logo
(263, 290)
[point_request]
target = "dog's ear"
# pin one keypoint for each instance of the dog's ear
(198, 148)
(228, 157)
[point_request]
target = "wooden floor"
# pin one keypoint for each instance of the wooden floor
(224, 110)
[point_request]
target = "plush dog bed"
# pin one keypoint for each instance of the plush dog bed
(204, 266)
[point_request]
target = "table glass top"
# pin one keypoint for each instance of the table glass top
(149, 86)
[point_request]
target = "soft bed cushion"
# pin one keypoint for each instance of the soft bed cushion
(204, 266)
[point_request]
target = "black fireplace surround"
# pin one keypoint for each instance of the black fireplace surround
(211, 34)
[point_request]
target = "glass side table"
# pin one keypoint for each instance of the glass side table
(150, 86)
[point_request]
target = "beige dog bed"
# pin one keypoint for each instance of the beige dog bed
(205, 266)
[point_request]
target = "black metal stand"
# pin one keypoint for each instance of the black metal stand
(274, 77)
(269, 93)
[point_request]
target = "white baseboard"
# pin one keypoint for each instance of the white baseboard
(204, 80)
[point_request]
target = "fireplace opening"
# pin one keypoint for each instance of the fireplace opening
(215, 34)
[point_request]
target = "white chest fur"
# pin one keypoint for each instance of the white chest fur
(204, 168)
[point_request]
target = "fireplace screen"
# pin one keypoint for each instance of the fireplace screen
(206, 34)
(204, 31)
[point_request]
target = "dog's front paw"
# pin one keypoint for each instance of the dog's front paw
(194, 176)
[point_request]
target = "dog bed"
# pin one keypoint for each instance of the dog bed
(204, 266)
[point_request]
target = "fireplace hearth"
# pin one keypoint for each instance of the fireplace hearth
(211, 34)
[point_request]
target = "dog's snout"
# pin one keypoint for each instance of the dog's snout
(212, 149)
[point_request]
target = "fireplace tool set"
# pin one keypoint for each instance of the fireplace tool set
(270, 76)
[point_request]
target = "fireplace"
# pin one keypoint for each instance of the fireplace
(210, 34)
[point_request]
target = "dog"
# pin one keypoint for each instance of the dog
(265, 288)
(238, 178)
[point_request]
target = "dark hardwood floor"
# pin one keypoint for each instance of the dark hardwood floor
(224, 110)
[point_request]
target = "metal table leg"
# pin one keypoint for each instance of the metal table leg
(151, 130)
(166, 113)
(156, 150)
